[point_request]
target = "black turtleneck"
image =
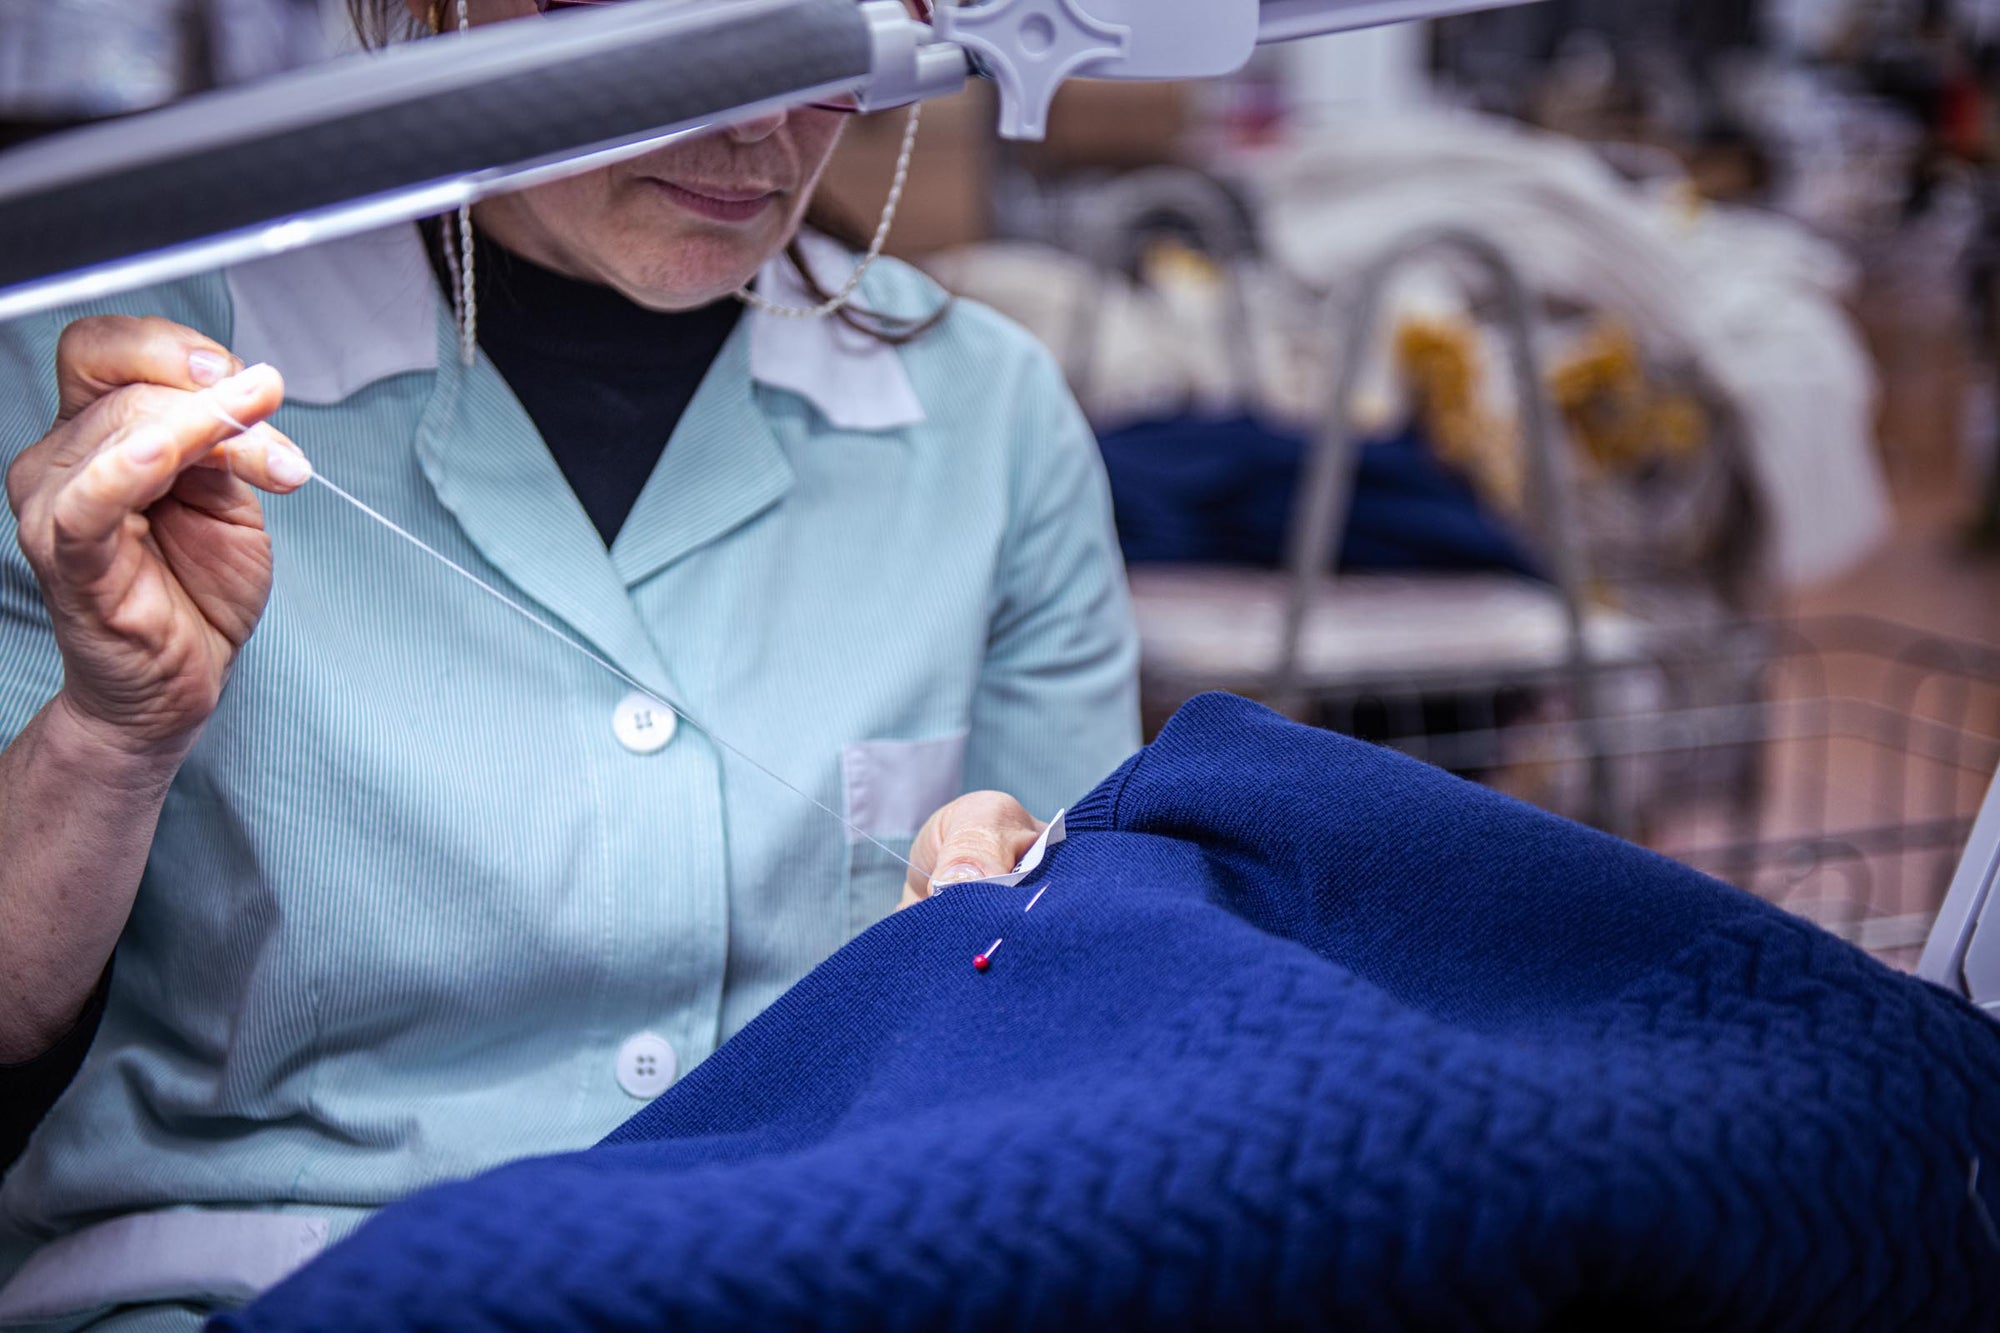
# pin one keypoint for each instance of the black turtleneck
(604, 380)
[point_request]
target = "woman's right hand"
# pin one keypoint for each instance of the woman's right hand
(137, 515)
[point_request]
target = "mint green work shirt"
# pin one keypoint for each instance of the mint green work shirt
(428, 877)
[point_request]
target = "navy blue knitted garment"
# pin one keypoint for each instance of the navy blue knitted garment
(1221, 491)
(1301, 1035)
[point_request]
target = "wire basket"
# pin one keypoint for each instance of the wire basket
(1833, 766)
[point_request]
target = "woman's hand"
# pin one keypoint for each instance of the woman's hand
(975, 837)
(137, 515)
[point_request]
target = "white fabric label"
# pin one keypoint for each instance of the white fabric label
(892, 787)
(160, 1256)
(1030, 863)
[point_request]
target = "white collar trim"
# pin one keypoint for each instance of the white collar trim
(857, 382)
(340, 316)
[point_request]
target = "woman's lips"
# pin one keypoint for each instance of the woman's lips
(717, 204)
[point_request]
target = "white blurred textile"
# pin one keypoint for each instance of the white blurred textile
(1752, 301)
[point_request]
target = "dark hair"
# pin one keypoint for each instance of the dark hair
(379, 22)
(828, 219)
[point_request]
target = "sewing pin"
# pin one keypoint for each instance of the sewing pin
(1037, 898)
(980, 962)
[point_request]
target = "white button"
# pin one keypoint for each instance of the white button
(646, 1065)
(643, 724)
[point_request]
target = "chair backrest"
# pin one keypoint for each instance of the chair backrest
(1963, 954)
(1111, 226)
(1321, 507)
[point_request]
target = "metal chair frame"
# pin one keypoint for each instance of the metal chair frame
(1322, 506)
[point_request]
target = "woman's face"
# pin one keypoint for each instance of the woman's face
(681, 226)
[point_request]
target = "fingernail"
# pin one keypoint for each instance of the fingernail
(243, 388)
(146, 450)
(207, 367)
(288, 466)
(958, 874)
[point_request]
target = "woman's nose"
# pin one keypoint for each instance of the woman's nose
(757, 128)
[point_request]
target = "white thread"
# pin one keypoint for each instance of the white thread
(576, 645)
(867, 261)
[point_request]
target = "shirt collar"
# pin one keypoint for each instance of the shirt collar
(857, 382)
(340, 316)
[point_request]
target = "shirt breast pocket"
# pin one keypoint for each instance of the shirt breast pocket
(890, 788)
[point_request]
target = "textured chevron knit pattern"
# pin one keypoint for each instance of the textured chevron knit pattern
(1302, 1035)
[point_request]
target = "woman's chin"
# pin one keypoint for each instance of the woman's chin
(698, 272)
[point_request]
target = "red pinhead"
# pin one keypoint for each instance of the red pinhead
(981, 962)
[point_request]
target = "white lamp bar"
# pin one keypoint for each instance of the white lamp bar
(375, 139)
(1284, 20)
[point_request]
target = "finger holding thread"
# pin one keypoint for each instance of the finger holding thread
(262, 455)
(154, 570)
(256, 451)
(100, 354)
(975, 837)
(159, 434)
(114, 374)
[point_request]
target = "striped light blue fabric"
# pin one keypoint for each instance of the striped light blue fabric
(410, 894)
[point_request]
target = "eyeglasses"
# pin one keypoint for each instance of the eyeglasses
(846, 104)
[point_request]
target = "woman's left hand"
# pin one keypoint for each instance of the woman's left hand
(975, 837)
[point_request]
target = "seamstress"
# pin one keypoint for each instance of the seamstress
(359, 879)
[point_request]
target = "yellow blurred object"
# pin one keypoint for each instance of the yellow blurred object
(1442, 362)
(1688, 202)
(1170, 262)
(1616, 416)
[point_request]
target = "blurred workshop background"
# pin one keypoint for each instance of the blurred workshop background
(1599, 398)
